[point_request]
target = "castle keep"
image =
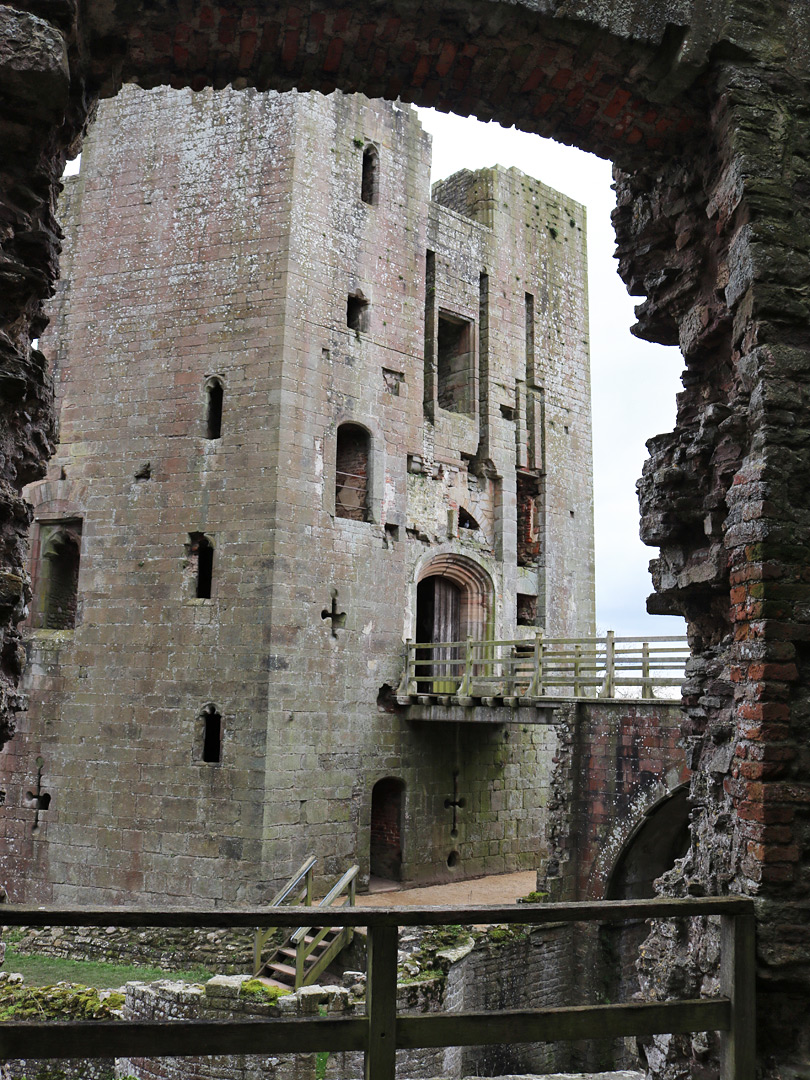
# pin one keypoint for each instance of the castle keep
(307, 412)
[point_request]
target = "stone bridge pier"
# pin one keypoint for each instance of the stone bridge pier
(704, 109)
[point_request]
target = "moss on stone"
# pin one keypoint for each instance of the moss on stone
(255, 988)
(505, 935)
(65, 1001)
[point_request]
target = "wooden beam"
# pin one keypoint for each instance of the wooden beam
(534, 914)
(180, 1038)
(553, 1025)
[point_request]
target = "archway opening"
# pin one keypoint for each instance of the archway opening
(352, 472)
(661, 838)
(385, 848)
(654, 847)
(453, 603)
(56, 585)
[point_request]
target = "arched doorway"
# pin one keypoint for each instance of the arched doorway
(453, 603)
(385, 848)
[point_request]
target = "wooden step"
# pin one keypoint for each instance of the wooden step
(283, 969)
(273, 982)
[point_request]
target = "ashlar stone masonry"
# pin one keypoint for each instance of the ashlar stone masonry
(306, 413)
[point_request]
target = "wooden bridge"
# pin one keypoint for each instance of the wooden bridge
(382, 1030)
(537, 667)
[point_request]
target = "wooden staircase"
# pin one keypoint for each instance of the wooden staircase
(306, 952)
(280, 970)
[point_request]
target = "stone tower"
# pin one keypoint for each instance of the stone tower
(346, 414)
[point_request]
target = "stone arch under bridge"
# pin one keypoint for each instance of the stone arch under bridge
(703, 110)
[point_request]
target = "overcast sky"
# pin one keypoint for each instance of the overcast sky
(634, 383)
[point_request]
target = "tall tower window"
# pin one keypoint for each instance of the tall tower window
(211, 735)
(213, 410)
(351, 472)
(56, 587)
(369, 189)
(454, 364)
(201, 564)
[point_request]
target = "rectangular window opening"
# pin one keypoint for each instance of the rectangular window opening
(526, 610)
(454, 364)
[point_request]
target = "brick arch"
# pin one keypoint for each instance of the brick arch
(589, 81)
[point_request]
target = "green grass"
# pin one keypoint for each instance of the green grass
(47, 970)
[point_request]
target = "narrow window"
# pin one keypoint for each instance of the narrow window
(483, 366)
(201, 564)
(369, 185)
(529, 320)
(357, 312)
(430, 335)
(56, 588)
(212, 735)
(454, 364)
(351, 472)
(529, 519)
(213, 417)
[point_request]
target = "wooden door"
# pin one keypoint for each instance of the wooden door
(438, 619)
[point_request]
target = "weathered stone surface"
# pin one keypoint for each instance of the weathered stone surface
(33, 63)
(703, 108)
(235, 260)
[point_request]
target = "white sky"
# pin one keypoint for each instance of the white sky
(633, 383)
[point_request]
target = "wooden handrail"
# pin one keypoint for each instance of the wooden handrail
(260, 936)
(383, 1030)
(306, 943)
(528, 668)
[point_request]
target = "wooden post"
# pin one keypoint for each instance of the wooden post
(646, 682)
(257, 953)
(609, 687)
(577, 669)
(308, 886)
(464, 687)
(738, 983)
(408, 684)
(300, 957)
(381, 1003)
(536, 687)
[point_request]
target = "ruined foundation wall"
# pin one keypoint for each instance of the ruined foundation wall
(615, 763)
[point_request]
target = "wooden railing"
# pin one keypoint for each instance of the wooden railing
(537, 667)
(306, 943)
(382, 1030)
(298, 890)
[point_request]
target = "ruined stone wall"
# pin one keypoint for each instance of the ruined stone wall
(184, 254)
(235, 251)
(702, 107)
(615, 762)
(536, 425)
